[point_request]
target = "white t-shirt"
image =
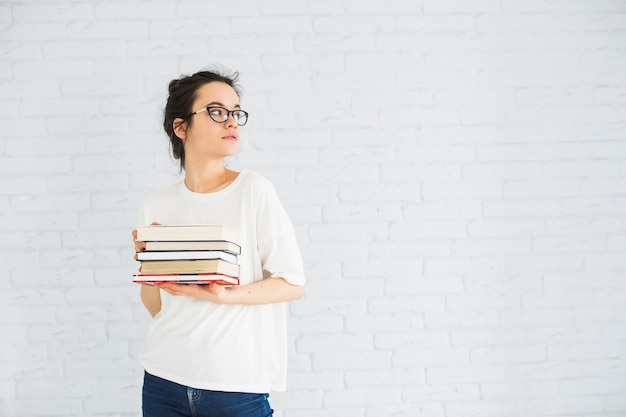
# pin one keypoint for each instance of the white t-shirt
(241, 348)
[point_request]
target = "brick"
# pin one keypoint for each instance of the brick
(528, 209)
(485, 228)
(42, 407)
(582, 169)
(333, 343)
(44, 221)
(486, 408)
(569, 244)
(497, 170)
(416, 247)
(471, 302)
(435, 229)
(591, 226)
(481, 247)
(403, 304)
(21, 50)
(353, 24)
(35, 31)
(527, 190)
(508, 354)
(39, 164)
(514, 23)
(379, 192)
(497, 282)
(275, 25)
(387, 377)
(419, 284)
(442, 393)
(438, 191)
(362, 396)
(354, 213)
(338, 175)
(448, 320)
(328, 307)
(594, 206)
(7, 391)
(458, 6)
(422, 339)
(551, 316)
(38, 151)
(422, 357)
(434, 23)
(567, 404)
(560, 6)
(470, 374)
(593, 386)
(352, 360)
(492, 336)
(385, 322)
(56, 12)
(107, 30)
(334, 42)
(408, 410)
(299, 401)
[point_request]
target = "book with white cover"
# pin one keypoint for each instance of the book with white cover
(197, 245)
(188, 233)
(184, 255)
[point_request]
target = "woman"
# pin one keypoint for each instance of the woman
(214, 350)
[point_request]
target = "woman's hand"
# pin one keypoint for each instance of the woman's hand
(266, 291)
(150, 296)
(209, 292)
(141, 246)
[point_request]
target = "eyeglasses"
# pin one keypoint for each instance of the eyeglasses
(221, 115)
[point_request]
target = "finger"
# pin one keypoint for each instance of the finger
(139, 246)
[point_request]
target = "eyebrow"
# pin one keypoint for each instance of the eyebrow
(217, 103)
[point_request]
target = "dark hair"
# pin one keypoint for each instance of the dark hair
(183, 92)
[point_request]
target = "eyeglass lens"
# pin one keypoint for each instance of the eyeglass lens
(220, 115)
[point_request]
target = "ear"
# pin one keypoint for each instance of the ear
(180, 128)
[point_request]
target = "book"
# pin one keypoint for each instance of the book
(152, 279)
(185, 255)
(188, 233)
(195, 266)
(197, 245)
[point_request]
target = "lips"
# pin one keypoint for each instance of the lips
(230, 136)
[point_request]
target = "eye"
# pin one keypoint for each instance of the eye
(216, 111)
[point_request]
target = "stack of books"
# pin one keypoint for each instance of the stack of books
(188, 254)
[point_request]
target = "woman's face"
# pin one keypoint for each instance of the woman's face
(205, 138)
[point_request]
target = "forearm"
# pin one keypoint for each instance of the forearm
(267, 291)
(151, 299)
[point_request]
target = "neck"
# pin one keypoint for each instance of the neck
(209, 177)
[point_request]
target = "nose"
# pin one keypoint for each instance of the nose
(230, 121)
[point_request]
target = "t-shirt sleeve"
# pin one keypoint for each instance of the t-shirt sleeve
(276, 238)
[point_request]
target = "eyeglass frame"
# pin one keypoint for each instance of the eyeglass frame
(229, 113)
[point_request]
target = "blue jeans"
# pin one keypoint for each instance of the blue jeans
(162, 398)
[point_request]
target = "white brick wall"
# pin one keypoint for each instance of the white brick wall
(456, 171)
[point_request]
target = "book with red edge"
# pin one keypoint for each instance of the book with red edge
(203, 279)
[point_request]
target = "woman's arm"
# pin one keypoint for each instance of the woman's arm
(266, 291)
(150, 296)
(151, 299)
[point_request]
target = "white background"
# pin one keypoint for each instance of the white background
(456, 171)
